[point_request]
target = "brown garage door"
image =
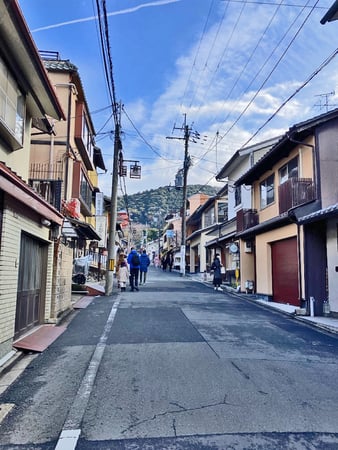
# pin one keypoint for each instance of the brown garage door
(285, 272)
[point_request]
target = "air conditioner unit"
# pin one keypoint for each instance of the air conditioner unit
(248, 246)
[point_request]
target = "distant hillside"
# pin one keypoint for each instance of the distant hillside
(147, 205)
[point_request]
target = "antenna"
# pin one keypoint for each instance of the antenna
(324, 100)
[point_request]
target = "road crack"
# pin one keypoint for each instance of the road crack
(181, 410)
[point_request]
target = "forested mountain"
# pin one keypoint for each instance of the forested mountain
(146, 206)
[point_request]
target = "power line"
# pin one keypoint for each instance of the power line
(321, 67)
(268, 76)
(142, 137)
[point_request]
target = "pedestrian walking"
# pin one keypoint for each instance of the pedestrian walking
(156, 261)
(164, 263)
(144, 264)
(134, 264)
(123, 275)
(120, 260)
(216, 268)
(170, 258)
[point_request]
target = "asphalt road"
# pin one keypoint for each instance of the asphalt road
(177, 366)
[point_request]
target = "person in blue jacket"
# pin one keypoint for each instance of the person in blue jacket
(144, 264)
(134, 265)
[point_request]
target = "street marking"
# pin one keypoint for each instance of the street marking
(68, 439)
(72, 427)
(5, 408)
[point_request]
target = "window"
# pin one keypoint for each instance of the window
(86, 136)
(238, 195)
(209, 217)
(222, 212)
(12, 105)
(85, 191)
(267, 191)
(289, 170)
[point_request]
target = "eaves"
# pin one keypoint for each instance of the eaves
(284, 146)
(223, 225)
(22, 56)
(322, 214)
(263, 227)
(331, 15)
(14, 186)
(200, 231)
(221, 239)
(237, 159)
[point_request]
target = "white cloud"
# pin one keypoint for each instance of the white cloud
(211, 91)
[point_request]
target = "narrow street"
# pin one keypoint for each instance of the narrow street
(177, 365)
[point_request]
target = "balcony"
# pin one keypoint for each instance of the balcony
(46, 180)
(295, 192)
(246, 218)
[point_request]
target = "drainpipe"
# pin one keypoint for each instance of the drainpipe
(71, 89)
(295, 220)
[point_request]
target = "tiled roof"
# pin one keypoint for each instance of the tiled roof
(324, 213)
(61, 65)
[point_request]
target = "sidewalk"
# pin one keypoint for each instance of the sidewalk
(329, 324)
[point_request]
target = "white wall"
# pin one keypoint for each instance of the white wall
(332, 263)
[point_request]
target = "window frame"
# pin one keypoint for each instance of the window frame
(288, 168)
(12, 109)
(265, 188)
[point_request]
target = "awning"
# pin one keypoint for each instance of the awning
(13, 185)
(98, 159)
(217, 241)
(73, 228)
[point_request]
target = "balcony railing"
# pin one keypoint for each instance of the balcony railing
(41, 171)
(295, 192)
(246, 218)
(46, 179)
(50, 190)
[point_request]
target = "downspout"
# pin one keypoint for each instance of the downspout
(294, 218)
(71, 88)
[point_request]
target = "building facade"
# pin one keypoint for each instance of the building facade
(29, 225)
(292, 228)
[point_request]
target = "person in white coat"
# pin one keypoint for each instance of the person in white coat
(123, 275)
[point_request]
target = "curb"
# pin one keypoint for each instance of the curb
(252, 299)
(10, 362)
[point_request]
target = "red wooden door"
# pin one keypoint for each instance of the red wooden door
(285, 272)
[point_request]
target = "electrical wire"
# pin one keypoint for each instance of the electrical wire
(197, 51)
(142, 137)
(319, 69)
(250, 59)
(268, 76)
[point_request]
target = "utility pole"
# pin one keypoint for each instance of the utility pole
(186, 164)
(113, 206)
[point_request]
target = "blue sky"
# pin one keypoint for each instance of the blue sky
(227, 65)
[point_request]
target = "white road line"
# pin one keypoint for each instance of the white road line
(5, 408)
(71, 430)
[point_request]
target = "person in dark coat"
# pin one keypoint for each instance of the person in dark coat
(134, 264)
(170, 258)
(144, 264)
(216, 267)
